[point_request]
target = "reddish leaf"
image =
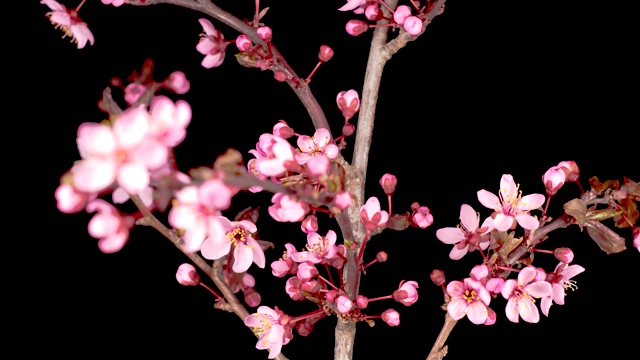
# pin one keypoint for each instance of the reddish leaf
(607, 239)
(577, 209)
(398, 222)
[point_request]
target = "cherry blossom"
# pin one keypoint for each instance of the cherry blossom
(319, 249)
(349, 101)
(511, 207)
(560, 279)
(266, 324)
(371, 215)
(69, 200)
(388, 183)
(178, 82)
(272, 154)
(467, 236)
(553, 179)
(285, 265)
(412, 25)
(391, 317)
(401, 13)
(469, 297)
(353, 4)
(133, 92)
(422, 217)
(571, 170)
(69, 22)
(168, 121)
(343, 304)
(407, 293)
(108, 226)
(211, 44)
(318, 144)
(292, 287)
(225, 234)
(306, 271)
(287, 208)
(520, 293)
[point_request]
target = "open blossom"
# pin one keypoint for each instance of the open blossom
(272, 155)
(266, 324)
(69, 22)
(122, 153)
(319, 249)
(520, 293)
(287, 208)
(318, 144)
(169, 120)
(469, 297)
(225, 234)
(467, 236)
(511, 207)
(286, 264)
(560, 279)
(211, 44)
(108, 226)
(371, 215)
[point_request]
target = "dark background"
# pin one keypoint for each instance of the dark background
(490, 88)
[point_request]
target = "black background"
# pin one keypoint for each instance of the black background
(490, 88)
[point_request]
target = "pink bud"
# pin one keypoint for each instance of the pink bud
(265, 33)
(304, 328)
(331, 296)
(280, 75)
(553, 179)
(362, 301)
(342, 200)
(437, 276)
(178, 82)
(311, 286)
(373, 13)
(348, 102)
(244, 43)
(187, 275)
(412, 25)
(325, 54)
(571, 169)
(343, 304)
(309, 224)
(563, 254)
(348, 129)
(251, 297)
(400, 295)
(388, 183)
(381, 256)
(356, 27)
(391, 317)
(282, 129)
(133, 92)
(401, 13)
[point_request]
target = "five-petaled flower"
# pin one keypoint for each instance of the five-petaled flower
(211, 44)
(511, 206)
(468, 236)
(520, 293)
(225, 234)
(68, 21)
(266, 323)
(469, 297)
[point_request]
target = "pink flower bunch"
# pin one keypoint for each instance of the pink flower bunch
(271, 327)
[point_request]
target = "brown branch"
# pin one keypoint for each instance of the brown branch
(439, 349)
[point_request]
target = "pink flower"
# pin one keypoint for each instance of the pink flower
(265, 33)
(292, 288)
(520, 293)
(372, 12)
(168, 122)
(243, 43)
(511, 206)
(342, 200)
(388, 183)
(571, 170)
(412, 25)
(348, 102)
(319, 249)
(69, 22)
(287, 208)
(108, 226)
(318, 144)
(306, 271)
(391, 317)
(211, 44)
(309, 224)
(266, 324)
(401, 13)
(69, 200)
(225, 234)
(553, 179)
(468, 236)
(283, 130)
(560, 280)
(286, 264)
(343, 304)
(469, 298)
(115, 3)
(132, 92)
(407, 293)
(636, 237)
(371, 215)
(187, 275)
(272, 155)
(422, 217)
(325, 54)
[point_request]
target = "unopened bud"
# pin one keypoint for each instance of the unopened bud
(265, 33)
(563, 254)
(304, 328)
(325, 54)
(331, 296)
(362, 301)
(571, 170)
(437, 276)
(373, 12)
(400, 295)
(251, 297)
(388, 183)
(311, 286)
(381, 256)
(356, 27)
(280, 75)
(244, 43)
(348, 129)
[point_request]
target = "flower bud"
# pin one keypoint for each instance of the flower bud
(343, 304)
(331, 296)
(280, 75)
(325, 54)
(571, 170)
(311, 286)
(400, 295)
(553, 179)
(265, 33)
(437, 276)
(563, 254)
(362, 301)
(178, 82)
(356, 27)
(187, 275)
(401, 13)
(373, 12)
(412, 25)
(309, 224)
(388, 183)
(251, 297)
(381, 256)
(304, 328)
(243, 43)
(348, 129)
(391, 317)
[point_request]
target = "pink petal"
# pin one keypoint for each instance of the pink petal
(530, 202)
(502, 222)
(450, 235)
(457, 308)
(243, 257)
(528, 310)
(207, 26)
(539, 289)
(469, 218)
(489, 200)
(457, 253)
(258, 254)
(511, 310)
(477, 313)
(527, 221)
